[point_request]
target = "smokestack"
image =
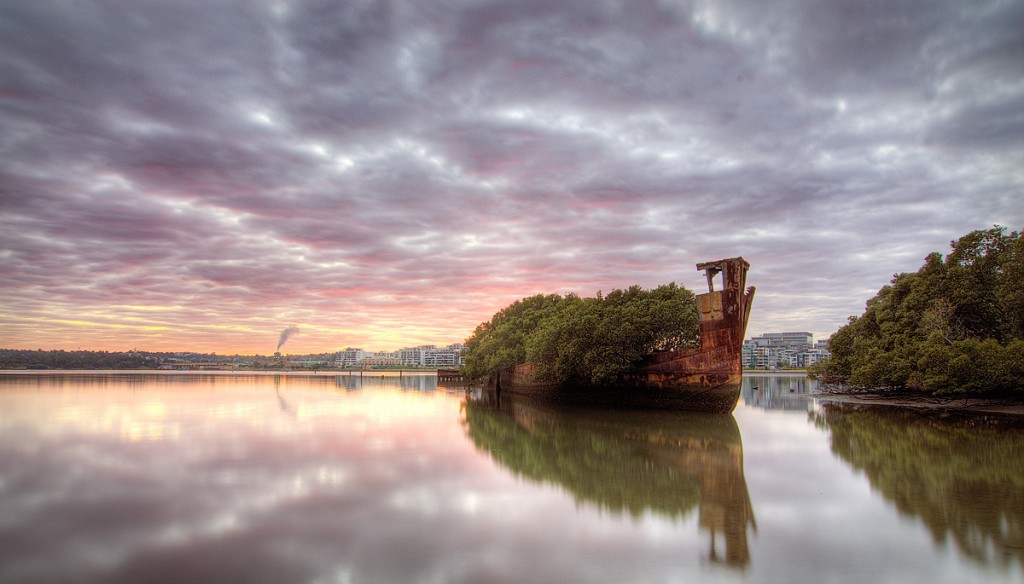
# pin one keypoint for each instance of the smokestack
(285, 334)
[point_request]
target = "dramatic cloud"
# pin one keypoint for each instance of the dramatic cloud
(189, 175)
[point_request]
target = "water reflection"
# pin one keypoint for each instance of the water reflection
(962, 476)
(406, 381)
(214, 478)
(290, 478)
(778, 392)
(348, 381)
(627, 462)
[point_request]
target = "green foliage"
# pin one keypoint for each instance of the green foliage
(500, 343)
(60, 359)
(584, 340)
(955, 326)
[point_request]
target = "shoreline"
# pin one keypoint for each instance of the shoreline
(295, 372)
(967, 405)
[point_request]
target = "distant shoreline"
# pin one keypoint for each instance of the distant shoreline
(292, 372)
(970, 405)
(343, 372)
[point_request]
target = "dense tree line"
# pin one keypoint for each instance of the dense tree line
(584, 340)
(955, 326)
(81, 359)
(60, 359)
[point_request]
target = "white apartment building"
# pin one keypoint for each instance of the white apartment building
(422, 356)
(350, 357)
(779, 350)
(415, 356)
(450, 356)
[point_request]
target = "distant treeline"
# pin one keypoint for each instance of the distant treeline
(18, 359)
(954, 327)
(61, 359)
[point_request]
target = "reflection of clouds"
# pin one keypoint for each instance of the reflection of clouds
(306, 500)
(131, 422)
(237, 479)
(420, 499)
(816, 515)
(253, 498)
(251, 495)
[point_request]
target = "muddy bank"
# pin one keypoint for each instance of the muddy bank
(1010, 407)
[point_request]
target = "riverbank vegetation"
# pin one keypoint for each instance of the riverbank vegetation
(586, 340)
(956, 326)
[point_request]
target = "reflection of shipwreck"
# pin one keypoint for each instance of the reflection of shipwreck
(627, 462)
(704, 379)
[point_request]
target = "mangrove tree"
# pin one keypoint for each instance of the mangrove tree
(584, 340)
(956, 326)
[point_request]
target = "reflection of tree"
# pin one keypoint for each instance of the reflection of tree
(964, 477)
(627, 462)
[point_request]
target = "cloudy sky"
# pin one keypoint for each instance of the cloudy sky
(200, 175)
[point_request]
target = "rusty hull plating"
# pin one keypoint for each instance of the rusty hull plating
(723, 324)
(706, 379)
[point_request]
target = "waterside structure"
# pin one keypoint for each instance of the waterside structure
(705, 379)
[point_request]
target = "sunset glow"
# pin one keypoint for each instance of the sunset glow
(200, 176)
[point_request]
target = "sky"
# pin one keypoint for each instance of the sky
(203, 175)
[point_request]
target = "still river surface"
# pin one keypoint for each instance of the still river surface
(279, 479)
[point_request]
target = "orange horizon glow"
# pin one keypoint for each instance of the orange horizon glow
(395, 322)
(176, 328)
(87, 336)
(380, 191)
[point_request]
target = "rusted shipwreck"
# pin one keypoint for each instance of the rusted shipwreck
(704, 379)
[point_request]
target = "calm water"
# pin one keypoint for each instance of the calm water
(264, 478)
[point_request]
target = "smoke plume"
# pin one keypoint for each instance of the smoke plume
(285, 334)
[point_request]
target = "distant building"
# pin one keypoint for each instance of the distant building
(382, 360)
(422, 356)
(783, 350)
(349, 357)
(813, 356)
(791, 341)
(450, 356)
(414, 356)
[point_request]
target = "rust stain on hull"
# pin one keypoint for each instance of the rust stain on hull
(705, 379)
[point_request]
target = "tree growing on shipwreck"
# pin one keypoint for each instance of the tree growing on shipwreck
(588, 341)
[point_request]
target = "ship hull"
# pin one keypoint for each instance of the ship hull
(705, 379)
